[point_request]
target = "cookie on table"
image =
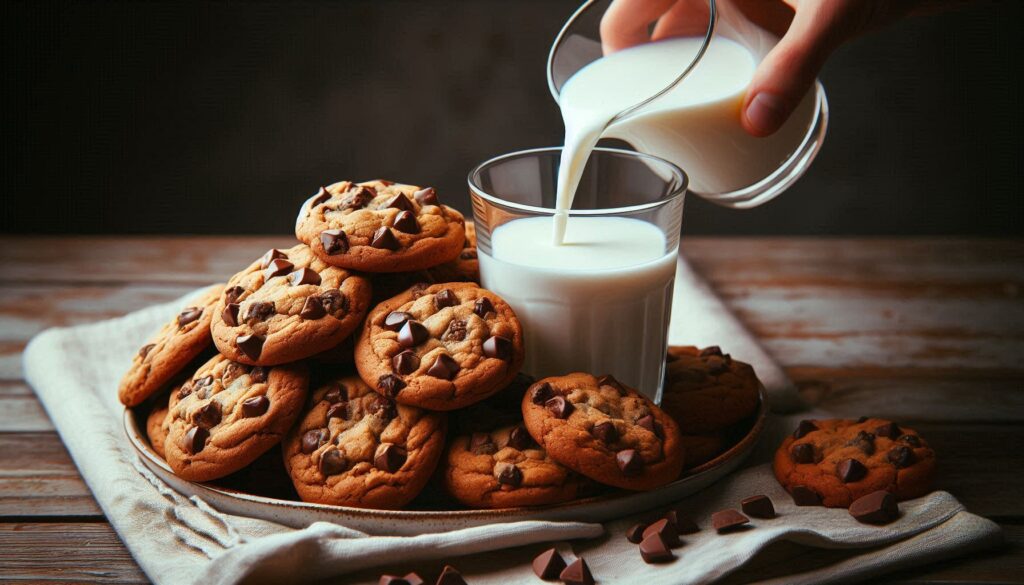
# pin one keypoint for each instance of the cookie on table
(506, 468)
(604, 430)
(357, 448)
(837, 461)
(700, 449)
(229, 414)
(286, 306)
(441, 347)
(179, 342)
(706, 390)
(465, 268)
(380, 226)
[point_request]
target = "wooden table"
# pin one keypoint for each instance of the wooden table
(927, 332)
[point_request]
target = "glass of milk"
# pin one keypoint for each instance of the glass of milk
(600, 300)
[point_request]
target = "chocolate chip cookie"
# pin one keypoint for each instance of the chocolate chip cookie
(158, 424)
(286, 306)
(380, 226)
(833, 462)
(440, 347)
(170, 351)
(229, 414)
(506, 468)
(706, 390)
(604, 430)
(465, 268)
(357, 448)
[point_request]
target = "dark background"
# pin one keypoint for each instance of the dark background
(179, 117)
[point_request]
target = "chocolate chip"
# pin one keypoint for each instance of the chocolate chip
(332, 463)
(606, 432)
(850, 470)
(542, 393)
(456, 331)
(609, 380)
(510, 475)
(312, 440)
(385, 239)
(277, 267)
(338, 410)
(396, 319)
(359, 198)
(728, 520)
(864, 441)
(717, 365)
(548, 564)
(759, 506)
(710, 351)
(654, 550)
(271, 255)
(802, 453)
(250, 345)
(401, 202)
(426, 196)
(255, 406)
(577, 573)
(519, 439)
(445, 298)
(322, 195)
(392, 580)
(334, 242)
(230, 314)
(449, 576)
(629, 462)
(665, 529)
(635, 534)
(389, 457)
(683, 523)
(383, 407)
(207, 416)
(232, 294)
(334, 302)
(482, 307)
(878, 507)
(406, 222)
(559, 406)
(259, 311)
(805, 496)
(336, 394)
(195, 439)
(912, 440)
(259, 374)
(312, 309)
(498, 347)
(889, 430)
(482, 444)
(304, 276)
(412, 334)
(803, 428)
(900, 456)
(405, 362)
(145, 349)
(652, 425)
(204, 381)
(444, 367)
(390, 385)
(189, 315)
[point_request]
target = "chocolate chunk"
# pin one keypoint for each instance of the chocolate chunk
(332, 463)
(683, 523)
(195, 439)
(207, 416)
(444, 367)
(338, 410)
(231, 295)
(312, 440)
(652, 425)
(185, 390)
(864, 441)
(406, 222)
(577, 573)
(145, 349)
(392, 580)
(271, 255)
(250, 345)
(710, 351)
(385, 239)
(605, 432)
(542, 393)
(728, 520)
(426, 196)
(482, 444)
(629, 462)
(277, 267)
(510, 475)
(390, 385)
(862, 419)
(389, 457)
(805, 496)
(383, 407)
(498, 347)
(304, 276)
(334, 242)
(336, 394)
(405, 362)
(548, 564)
(312, 309)
(635, 534)
(850, 470)
(396, 319)
(204, 381)
(412, 334)
(912, 440)
(401, 202)
(449, 576)
(334, 302)
(803, 428)
(653, 549)
(519, 439)
(456, 331)
(665, 529)
(482, 307)
(321, 196)
(413, 578)
(559, 406)
(802, 453)
(717, 365)
(445, 298)
(259, 311)
(889, 430)
(900, 456)
(255, 406)
(759, 506)
(609, 380)
(230, 314)
(189, 315)
(878, 507)
(259, 374)
(359, 198)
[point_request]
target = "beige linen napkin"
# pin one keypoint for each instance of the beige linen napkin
(183, 540)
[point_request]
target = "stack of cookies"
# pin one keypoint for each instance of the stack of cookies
(368, 361)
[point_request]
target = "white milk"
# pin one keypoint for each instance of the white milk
(598, 303)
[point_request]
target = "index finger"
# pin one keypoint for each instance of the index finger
(626, 22)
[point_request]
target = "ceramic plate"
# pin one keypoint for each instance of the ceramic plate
(412, 522)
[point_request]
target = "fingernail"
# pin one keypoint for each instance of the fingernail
(766, 113)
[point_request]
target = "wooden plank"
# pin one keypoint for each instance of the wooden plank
(64, 552)
(23, 414)
(38, 478)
